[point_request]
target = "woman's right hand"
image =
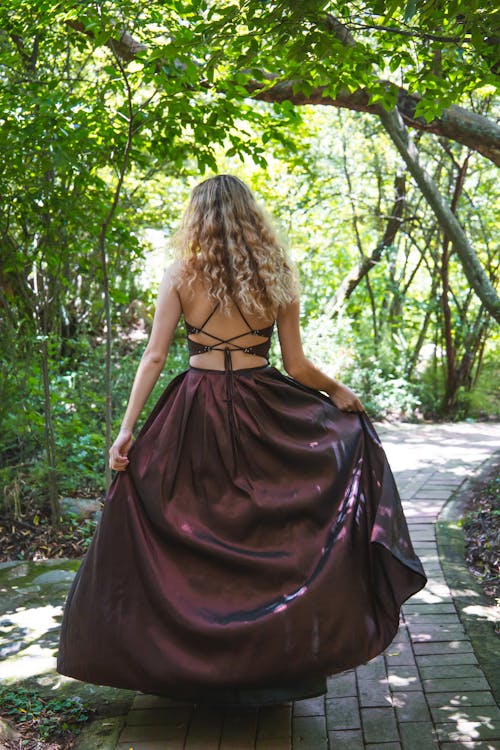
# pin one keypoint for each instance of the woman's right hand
(118, 459)
(344, 399)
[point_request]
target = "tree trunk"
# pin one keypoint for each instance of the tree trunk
(451, 385)
(104, 268)
(413, 359)
(473, 269)
(40, 317)
(352, 280)
(50, 441)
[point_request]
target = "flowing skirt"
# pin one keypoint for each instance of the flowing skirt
(255, 541)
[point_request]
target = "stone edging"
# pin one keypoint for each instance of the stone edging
(466, 592)
(101, 733)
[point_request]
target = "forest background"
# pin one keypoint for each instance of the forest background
(367, 129)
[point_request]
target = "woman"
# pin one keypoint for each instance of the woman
(252, 541)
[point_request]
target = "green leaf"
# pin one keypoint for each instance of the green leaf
(410, 10)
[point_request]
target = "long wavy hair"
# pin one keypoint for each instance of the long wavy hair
(225, 239)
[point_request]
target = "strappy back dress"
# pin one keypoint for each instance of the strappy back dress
(255, 544)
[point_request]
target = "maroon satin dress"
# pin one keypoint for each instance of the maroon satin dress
(255, 544)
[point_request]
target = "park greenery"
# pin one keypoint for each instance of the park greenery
(368, 131)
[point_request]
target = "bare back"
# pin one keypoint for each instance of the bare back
(237, 332)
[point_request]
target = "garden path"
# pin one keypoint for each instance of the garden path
(427, 691)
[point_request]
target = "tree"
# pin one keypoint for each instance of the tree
(108, 108)
(319, 60)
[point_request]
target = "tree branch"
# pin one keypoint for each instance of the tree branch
(471, 265)
(456, 123)
(463, 126)
(354, 278)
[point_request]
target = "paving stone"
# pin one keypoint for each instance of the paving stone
(400, 654)
(470, 745)
(374, 693)
(482, 714)
(443, 685)
(433, 494)
(421, 526)
(444, 478)
(379, 725)
(451, 670)
(435, 608)
(461, 698)
(418, 736)
(429, 508)
(443, 647)
(343, 713)
(341, 685)
(160, 745)
(309, 732)
(239, 729)
(309, 707)
(423, 535)
(404, 678)
(429, 561)
(374, 669)
(275, 722)
(276, 744)
(171, 733)
(425, 633)
(159, 716)
(383, 746)
(346, 740)
(434, 591)
(402, 636)
(463, 730)
(413, 515)
(205, 729)
(411, 706)
(431, 660)
(142, 700)
(426, 548)
(426, 551)
(438, 583)
(432, 569)
(417, 618)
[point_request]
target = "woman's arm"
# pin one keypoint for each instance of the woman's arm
(302, 369)
(167, 314)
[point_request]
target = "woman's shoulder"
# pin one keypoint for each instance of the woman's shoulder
(174, 272)
(179, 276)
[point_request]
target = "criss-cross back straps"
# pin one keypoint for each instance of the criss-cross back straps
(228, 346)
(220, 344)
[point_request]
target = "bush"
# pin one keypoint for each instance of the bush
(46, 717)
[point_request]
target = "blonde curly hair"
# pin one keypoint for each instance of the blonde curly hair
(226, 239)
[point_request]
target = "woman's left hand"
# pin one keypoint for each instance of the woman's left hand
(343, 398)
(118, 459)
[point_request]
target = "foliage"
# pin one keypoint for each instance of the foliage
(77, 79)
(442, 51)
(49, 717)
(85, 528)
(30, 535)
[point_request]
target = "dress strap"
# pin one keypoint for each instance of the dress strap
(209, 316)
(240, 312)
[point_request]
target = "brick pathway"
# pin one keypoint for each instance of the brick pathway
(426, 691)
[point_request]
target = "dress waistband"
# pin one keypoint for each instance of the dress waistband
(240, 370)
